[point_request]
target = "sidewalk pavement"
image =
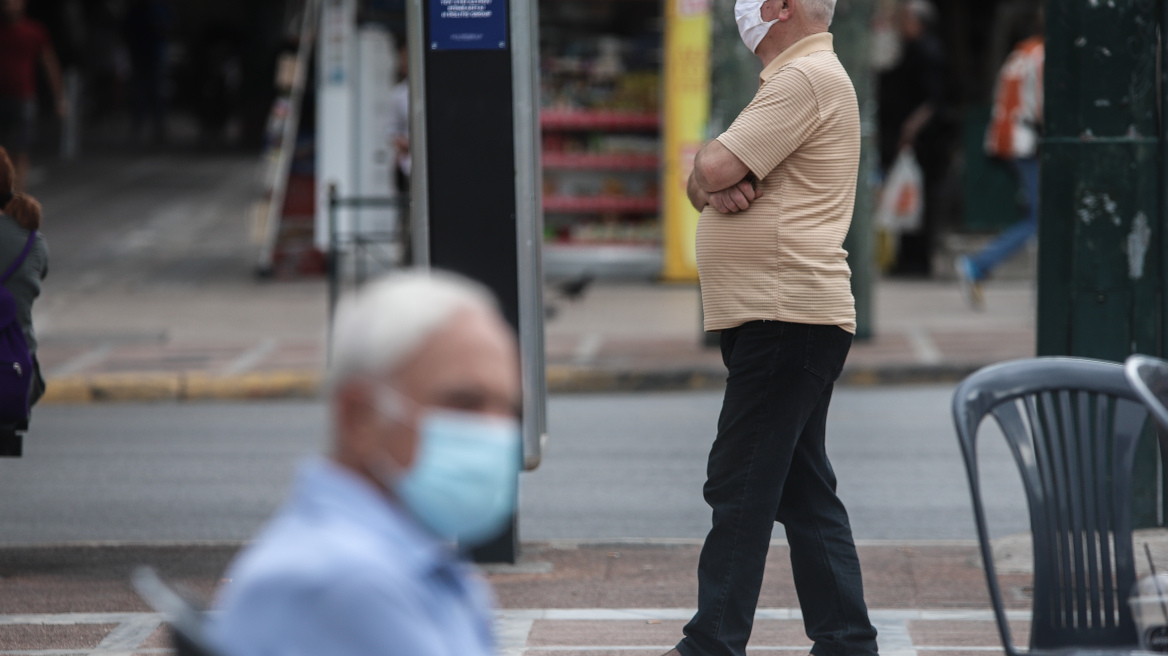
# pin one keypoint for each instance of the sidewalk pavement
(581, 599)
(260, 340)
(151, 297)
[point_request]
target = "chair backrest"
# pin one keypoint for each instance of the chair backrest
(1148, 376)
(1073, 426)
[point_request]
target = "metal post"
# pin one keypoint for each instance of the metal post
(851, 28)
(529, 225)
(733, 69)
(477, 71)
(1102, 209)
(419, 216)
(334, 265)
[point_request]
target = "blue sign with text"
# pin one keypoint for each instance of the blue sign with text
(468, 24)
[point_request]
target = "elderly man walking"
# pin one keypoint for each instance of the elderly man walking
(425, 450)
(776, 192)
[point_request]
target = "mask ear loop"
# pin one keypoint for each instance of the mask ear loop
(393, 406)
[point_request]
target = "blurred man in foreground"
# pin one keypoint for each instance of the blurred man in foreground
(424, 394)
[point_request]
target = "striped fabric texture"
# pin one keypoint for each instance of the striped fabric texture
(783, 259)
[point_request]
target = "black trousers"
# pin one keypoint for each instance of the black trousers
(768, 463)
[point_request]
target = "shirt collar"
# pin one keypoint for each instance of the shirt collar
(326, 487)
(801, 48)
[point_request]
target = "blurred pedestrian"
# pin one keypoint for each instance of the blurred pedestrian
(776, 191)
(424, 389)
(1013, 135)
(20, 224)
(147, 33)
(24, 44)
(911, 93)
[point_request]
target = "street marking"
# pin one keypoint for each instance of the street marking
(511, 635)
(251, 358)
(75, 651)
(923, 347)
(127, 636)
(893, 637)
(588, 348)
(82, 362)
(653, 647)
(75, 618)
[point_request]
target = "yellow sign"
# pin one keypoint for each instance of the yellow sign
(687, 112)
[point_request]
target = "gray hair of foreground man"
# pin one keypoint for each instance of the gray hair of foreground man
(376, 329)
(819, 11)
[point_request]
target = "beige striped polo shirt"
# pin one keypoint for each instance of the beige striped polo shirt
(783, 259)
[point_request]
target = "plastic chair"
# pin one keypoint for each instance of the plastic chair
(1073, 426)
(1148, 376)
(186, 621)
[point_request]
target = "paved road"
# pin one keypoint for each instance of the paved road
(616, 466)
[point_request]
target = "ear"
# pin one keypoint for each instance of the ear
(784, 9)
(355, 417)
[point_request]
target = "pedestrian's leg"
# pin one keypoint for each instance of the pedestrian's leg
(824, 562)
(769, 397)
(1003, 246)
(1014, 238)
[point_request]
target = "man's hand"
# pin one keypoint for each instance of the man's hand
(736, 198)
(698, 198)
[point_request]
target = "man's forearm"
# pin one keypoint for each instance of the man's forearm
(716, 168)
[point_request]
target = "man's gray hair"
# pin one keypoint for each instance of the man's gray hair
(820, 11)
(377, 328)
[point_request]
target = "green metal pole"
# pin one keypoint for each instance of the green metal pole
(851, 28)
(733, 69)
(1102, 209)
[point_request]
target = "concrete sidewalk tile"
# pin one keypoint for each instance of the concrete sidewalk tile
(21, 637)
(601, 633)
(53, 356)
(947, 652)
(592, 652)
(964, 634)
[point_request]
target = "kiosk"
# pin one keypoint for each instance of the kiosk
(474, 188)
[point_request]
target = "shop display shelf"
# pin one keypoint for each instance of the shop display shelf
(601, 161)
(576, 119)
(601, 204)
(605, 260)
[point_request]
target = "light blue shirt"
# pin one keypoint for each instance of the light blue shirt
(342, 571)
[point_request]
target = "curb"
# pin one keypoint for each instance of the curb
(182, 386)
(561, 379)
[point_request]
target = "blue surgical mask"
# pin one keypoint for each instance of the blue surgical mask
(462, 484)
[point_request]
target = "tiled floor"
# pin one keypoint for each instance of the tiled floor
(548, 632)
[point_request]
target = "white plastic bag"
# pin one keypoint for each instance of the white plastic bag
(901, 205)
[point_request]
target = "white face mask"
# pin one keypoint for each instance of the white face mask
(751, 27)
